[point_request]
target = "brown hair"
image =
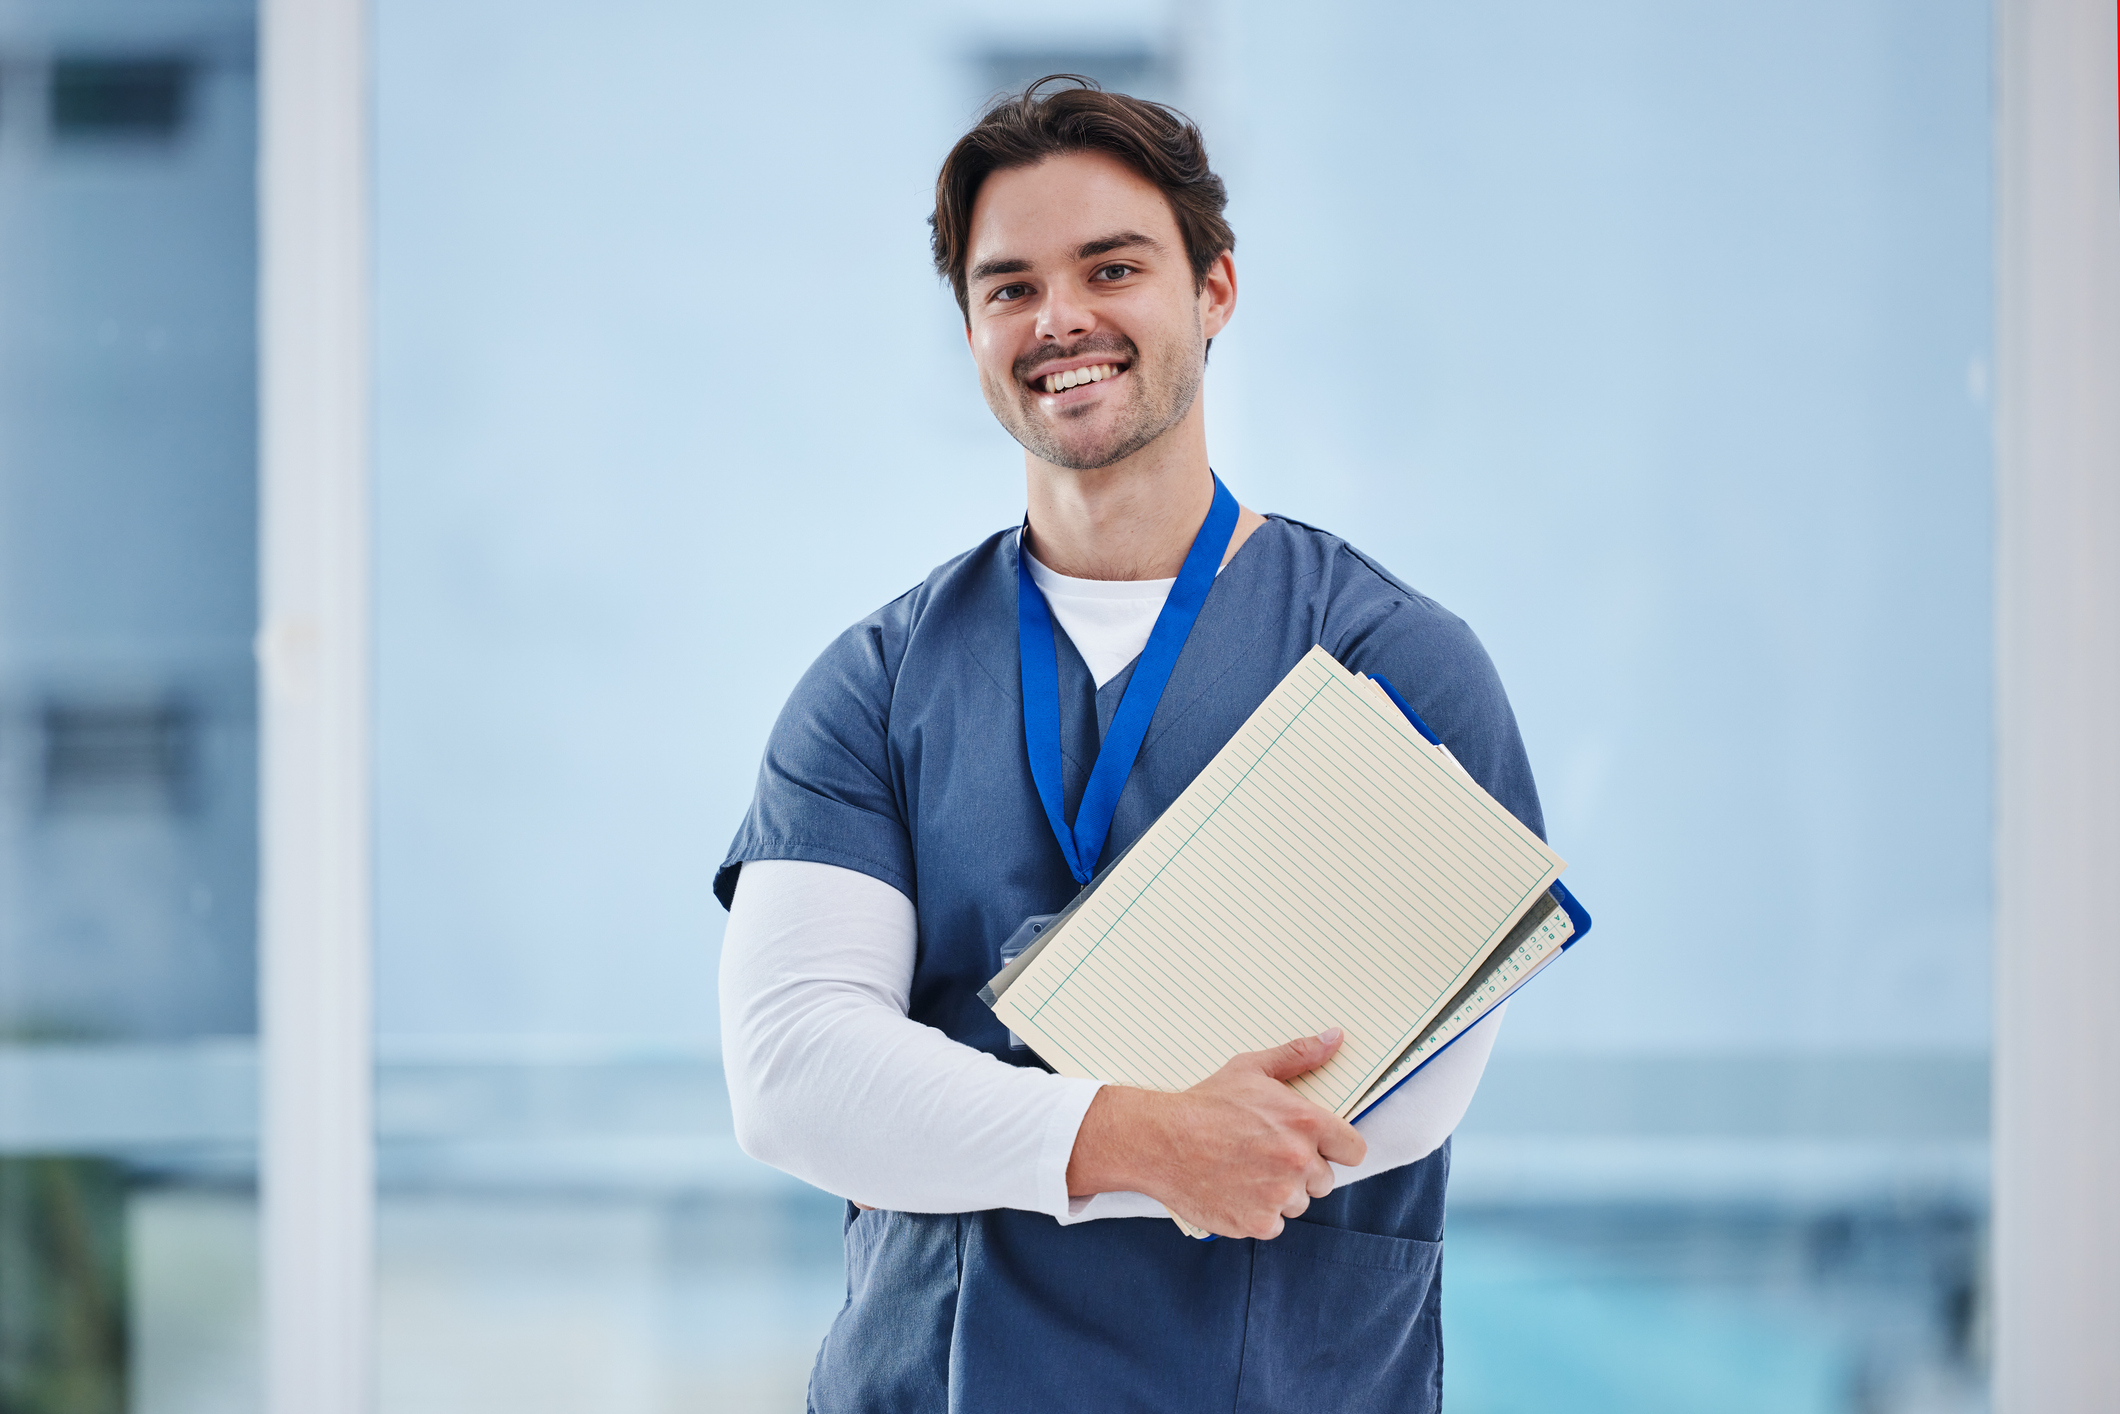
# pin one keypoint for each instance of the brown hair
(1024, 129)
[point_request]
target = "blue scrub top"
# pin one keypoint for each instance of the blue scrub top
(901, 755)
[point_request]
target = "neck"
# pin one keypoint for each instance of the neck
(1134, 519)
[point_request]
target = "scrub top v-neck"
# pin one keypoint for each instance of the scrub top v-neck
(901, 754)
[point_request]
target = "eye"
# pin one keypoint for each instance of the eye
(1009, 294)
(1115, 272)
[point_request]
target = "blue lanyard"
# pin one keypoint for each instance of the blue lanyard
(1041, 689)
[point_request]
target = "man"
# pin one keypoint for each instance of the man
(1007, 1241)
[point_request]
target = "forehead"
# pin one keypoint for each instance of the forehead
(1047, 212)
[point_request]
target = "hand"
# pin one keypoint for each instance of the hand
(1237, 1154)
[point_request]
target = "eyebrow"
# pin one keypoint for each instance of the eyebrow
(1090, 250)
(1124, 240)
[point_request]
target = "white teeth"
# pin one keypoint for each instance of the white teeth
(1076, 377)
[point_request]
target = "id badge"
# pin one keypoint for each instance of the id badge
(1022, 938)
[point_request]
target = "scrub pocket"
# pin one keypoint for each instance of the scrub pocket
(888, 1352)
(1341, 1320)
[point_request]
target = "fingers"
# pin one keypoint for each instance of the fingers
(1293, 1141)
(1302, 1054)
(1317, 1182)
(1342, 1143)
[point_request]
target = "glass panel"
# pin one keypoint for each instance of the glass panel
(128, 773)
(1695, 309)
(1653, 342)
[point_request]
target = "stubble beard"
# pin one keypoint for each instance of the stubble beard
(1161, 392)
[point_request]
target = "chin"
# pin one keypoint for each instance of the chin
(1092, 458)
(1079, 448)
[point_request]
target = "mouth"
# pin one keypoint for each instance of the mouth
(1058, 383)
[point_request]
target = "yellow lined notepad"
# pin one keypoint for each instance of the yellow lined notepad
(1328, 868)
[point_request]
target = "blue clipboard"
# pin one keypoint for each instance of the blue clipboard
(1578, 916)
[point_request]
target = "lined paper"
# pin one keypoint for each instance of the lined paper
(1544, 931)
(1398, 719)
(1328, 868)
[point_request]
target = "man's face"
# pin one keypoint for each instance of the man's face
(1077, 276)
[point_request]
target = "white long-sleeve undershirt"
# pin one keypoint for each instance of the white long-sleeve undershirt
(831, 1081)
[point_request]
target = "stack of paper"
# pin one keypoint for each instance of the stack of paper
(1330, 867)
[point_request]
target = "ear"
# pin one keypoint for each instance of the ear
(1218, 295)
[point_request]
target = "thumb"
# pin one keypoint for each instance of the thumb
(1305, 1053)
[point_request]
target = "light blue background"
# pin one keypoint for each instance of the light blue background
(1650, 338)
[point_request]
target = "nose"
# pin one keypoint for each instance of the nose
(1065, 315)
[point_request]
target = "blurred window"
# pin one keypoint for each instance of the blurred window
(1137, 69)
(116, 756)
(121, 98)
(1651, 339)
(128, 742)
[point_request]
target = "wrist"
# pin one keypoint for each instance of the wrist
(1120, 1146)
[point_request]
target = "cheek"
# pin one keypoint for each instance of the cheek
(996, 369)
(997, 386)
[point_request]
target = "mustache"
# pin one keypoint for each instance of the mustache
(1116, 344)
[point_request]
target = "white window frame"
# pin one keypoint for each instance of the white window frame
(317, 1160)
(2056, 1217)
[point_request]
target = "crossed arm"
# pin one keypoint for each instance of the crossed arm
(831, 1081)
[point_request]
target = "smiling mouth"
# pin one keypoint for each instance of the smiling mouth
(1078, 377)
